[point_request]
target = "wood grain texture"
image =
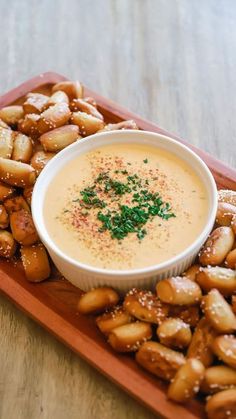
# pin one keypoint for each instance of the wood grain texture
(171, 61)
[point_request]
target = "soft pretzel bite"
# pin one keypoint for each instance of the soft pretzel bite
(97, 300)
(7, 244)
(191, 272)
(29, 125)
(4, 218)
(230, 260)
(11, 114)
(225, 213)
(54, 117)
(189, 314)
(219, 243)
(145, 306)
(16, 173)
(22, 227)
(129, 337)
(6, 191)
(200, 346)
(73, 89)
(174, 333)
(178, 291)
(59, 138)
(40, 159)
(223, 279)
(234, 303)
(16, 203)
(84, 106)
(159, 360)
(35, 103)
(35, 262)
(226, 195)
(222, 405)
(186, 383)
(108, 321)
(58, 97)
(218, 378)
(129, 124)
(224, 347)
(22, 148)
(88, 124)
(218, 312)
(90, 100)
(6, 143)
(27, 194)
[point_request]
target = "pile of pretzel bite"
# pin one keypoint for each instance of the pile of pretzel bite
(185, 331)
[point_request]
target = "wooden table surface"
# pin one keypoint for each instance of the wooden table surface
(171, 61)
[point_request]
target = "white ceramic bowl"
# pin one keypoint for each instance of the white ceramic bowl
(85, 276)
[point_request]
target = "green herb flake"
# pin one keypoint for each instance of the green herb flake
(145, 160)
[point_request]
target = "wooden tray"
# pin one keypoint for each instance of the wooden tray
(53, 303)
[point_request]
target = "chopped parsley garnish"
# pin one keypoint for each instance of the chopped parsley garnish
(145, 160)
(144, 206)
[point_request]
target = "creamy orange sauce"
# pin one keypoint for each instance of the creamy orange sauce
(76, 230)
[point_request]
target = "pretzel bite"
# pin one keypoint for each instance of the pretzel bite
(35, 262)
(178, 291)
(219, 243)
(29, 125)
(16, 203)
(230, 260)
(35, 103)
(22, 227)
(191, 272)
(73, 89)
(83, 106)
(4, 219)
(186, 382)
(218, 312)
(174, 333)
(90, 100)
(40, 159)
(224, 347)
(129, 124)
(225, 213)
(88, 124)
(59, 138)
(7, 244)
(226, 195)
(222, 405)
(112, 319)
(58, 97)
(145, 306)
(129, 337)
(27, 194)
(11, 114)
(22, 148)
(3, 124)
(200, 346)
(222, 279)
(97, 300)
(54, 117)
(218, 378)
(189, 314)
(5, 191)
(6, 143)
(159, 360)
(16, 173)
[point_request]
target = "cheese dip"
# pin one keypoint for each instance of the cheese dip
(125, 206)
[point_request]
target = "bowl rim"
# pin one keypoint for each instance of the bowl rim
(37, 205)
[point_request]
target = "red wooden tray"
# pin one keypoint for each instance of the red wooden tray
(53, 303)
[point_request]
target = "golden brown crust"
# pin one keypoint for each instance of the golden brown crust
(108, 321)
(178, 291)
(22, 227)
(35, 103)
(73, 89)
(224, 347)
(88, 124)
(4, 218)
(222, 405)
(84, 106)
(40, 159)
(7, 244)
(54, 117)
(29, 125)
(58, 97)
(191, 272)
(97, 300)
(35, 262)
(59, 138)
(16, 203)
(217, 246)
(189, 314)
(218, 312)
(15, 173)
(230, 260)
(218, 378)
(225, 213)
(200, 346)
(6, 143)
(11, 114)
(226, 195)
(159, 360)
(222, 279)
(145, 306)
(129, 337)
(22, 148)
(174, 333)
